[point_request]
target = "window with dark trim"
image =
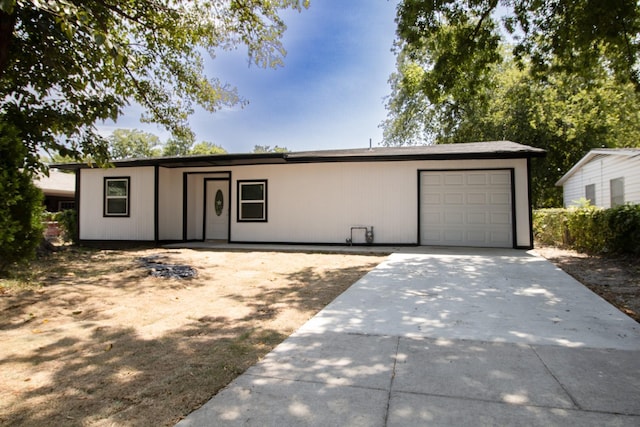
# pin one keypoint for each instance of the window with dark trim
(252, 201)
(590, 194)
(617, 192)
(116, 196)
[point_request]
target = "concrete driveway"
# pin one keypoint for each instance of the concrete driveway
(447, 337)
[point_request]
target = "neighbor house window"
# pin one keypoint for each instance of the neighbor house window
(590, 194)
(252, 201)
(116, 196)
(617, 192)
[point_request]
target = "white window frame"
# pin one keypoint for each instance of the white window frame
(592, 200)
(617, 198)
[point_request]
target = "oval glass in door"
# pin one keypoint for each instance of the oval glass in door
(219, 202)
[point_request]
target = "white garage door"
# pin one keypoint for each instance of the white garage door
(466, 208)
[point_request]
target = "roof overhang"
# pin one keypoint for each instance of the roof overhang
(462, 151)
(627, 152)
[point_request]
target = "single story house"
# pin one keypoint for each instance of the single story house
(59, 190)
(473, 194)
(605, 177)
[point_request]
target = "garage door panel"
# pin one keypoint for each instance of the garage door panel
(451, 179)
(466, 208)
(453, 198)
(501, 199)
(453, 237)
(432, 235)
(477, 218)
(433, 218)
(477, 198)
(500, 179)
(454, 218)
(475, 179)
(498, 237)
(476, 236)
(500, 218)
(434, 181)
(432, 199)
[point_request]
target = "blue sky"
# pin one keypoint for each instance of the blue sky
(329, 94)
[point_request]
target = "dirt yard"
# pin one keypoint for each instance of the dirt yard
(89, 338)
(616, 279)
(93, 340)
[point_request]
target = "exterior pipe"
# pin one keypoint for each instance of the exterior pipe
(368, 235)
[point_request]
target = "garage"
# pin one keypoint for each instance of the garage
(467, 208)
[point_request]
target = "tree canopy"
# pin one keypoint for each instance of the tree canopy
(269, 149)
(206, 147)
(561, 75)
(133, 143)
(67, 64)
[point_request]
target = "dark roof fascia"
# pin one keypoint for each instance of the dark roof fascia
(477, 151)
(410, 157)
(187, 161)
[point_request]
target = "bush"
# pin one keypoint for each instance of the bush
(550, 227)
(623, 224)
(586, 231)
(20, 203)
(68, 220)
(589, 229)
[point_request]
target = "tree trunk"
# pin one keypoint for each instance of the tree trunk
(7, 24)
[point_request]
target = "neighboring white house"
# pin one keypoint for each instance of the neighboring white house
(59, 190)
(605, 177)
(475, 194)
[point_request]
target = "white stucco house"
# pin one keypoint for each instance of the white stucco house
(474, 194)
(605, 177)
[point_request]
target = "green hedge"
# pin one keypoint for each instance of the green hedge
(68, 220)
(589, 229)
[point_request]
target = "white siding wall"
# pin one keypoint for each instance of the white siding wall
(310, 203)
(195, 203)
(138, 226)
(320, 202)
(170, 204)
(600, 171)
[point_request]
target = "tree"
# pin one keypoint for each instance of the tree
(21, 205)
(133, 143)
(457, 39)
(457, 81)
(268, 149)
(66, 64)
(179, 145)
(206, 147)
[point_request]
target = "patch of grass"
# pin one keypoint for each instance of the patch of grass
(40, 271)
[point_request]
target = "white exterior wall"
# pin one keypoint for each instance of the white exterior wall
(170, 204)
(600, 171)
(320, 202)
(307, 203)
(139, 225)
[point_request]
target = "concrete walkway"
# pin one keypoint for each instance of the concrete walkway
(452, 337)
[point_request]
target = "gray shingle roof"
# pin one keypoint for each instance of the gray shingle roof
(473, 150)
